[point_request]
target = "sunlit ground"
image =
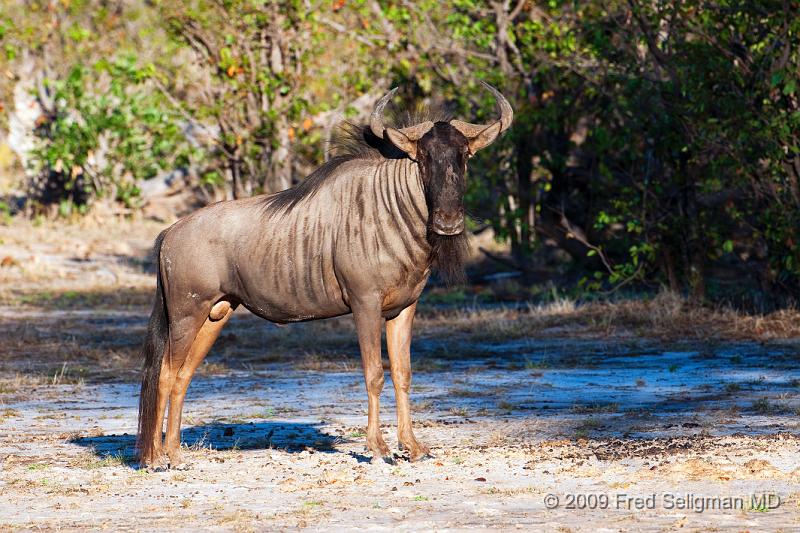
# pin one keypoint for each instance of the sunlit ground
(517, 402)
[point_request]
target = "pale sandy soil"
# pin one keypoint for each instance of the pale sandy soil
(274, 421)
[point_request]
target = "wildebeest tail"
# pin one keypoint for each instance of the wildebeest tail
(153, 354)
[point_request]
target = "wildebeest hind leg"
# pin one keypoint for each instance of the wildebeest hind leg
(182, 330)
(209, 331)
(398, 342)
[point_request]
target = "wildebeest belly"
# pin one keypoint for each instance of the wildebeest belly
(284, 285)
(309, 288)
(289, 287)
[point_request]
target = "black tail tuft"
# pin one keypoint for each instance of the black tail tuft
(153, 354)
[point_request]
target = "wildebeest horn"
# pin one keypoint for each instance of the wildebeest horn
(414, 133)
(506, 116)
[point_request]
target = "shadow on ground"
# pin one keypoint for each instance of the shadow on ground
(292, 437)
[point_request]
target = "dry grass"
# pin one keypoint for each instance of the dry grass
(238, 520)
(99, 297)
(11, 384)
(88, 460)
(49, 347)
(595, 408)
(8, 413)
(39, 350)
(77, 298)
(667, 316)
(49, 262)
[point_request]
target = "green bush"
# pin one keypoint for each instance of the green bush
(107, 132)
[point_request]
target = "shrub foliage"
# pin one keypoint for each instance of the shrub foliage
(655, 142)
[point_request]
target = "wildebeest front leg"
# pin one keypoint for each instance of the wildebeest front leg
(367, 316)
(398, 341)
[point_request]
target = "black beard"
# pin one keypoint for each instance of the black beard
(449, 254)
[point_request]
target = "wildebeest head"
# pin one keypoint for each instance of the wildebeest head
(441, 150)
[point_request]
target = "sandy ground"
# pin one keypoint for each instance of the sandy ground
(549, 430)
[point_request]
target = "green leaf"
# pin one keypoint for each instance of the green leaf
(727, 246)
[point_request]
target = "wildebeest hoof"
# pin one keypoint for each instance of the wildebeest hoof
(176, 460)
(382, 460)
(158, 465)
(183, 465)
(424, 456)
(416, 451)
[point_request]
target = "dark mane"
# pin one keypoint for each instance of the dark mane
(351, 142)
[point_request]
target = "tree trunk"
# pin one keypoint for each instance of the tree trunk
(235, 167)
(279, 176)
(524, 149)
(668, 265)
(695, 251)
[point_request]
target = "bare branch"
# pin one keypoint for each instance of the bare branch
(392, 34)
(343, 29)
(517, 9)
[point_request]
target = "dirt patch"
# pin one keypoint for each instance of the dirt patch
(520, 404)
(286, 450)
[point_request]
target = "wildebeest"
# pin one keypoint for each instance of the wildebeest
(359, 236)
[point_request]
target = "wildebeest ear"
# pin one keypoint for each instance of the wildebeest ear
(399, 139)
(485, 137)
